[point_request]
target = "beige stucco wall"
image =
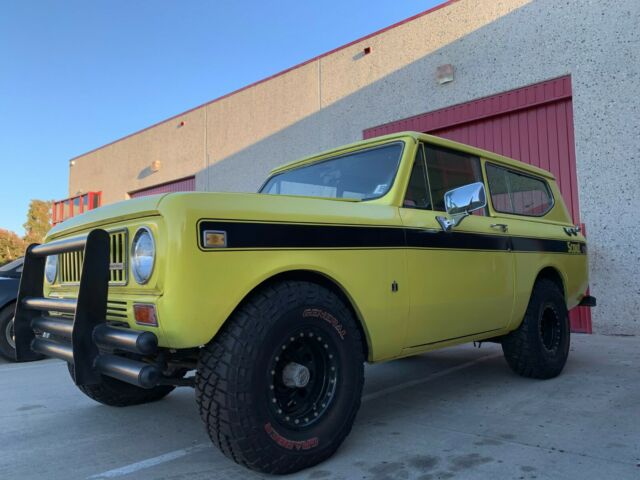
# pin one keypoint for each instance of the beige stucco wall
(125, 165)
(217, 131)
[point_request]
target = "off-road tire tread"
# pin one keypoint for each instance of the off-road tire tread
(519, 346)
(222, 381)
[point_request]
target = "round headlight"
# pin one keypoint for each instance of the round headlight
(51, 268)
(143, 255)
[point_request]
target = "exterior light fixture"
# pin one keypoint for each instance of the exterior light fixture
(444, 74)
(367, 50)
(156, 165)
(72, 163)
(214, 239)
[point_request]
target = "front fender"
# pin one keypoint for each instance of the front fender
(205, 288)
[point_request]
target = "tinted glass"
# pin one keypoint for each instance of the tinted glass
(417, 195)
(518, 194)
(361, 175)
(448, 169)
(11, 266)
(499, 189)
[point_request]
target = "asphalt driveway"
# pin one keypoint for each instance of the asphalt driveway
(457, 413)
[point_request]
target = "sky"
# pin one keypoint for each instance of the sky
(77, 74)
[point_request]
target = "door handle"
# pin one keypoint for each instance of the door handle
(502, 226)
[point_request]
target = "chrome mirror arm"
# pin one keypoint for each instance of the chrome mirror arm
(447, 223)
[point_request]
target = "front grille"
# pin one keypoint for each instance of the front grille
(117, 311)
(70, 264)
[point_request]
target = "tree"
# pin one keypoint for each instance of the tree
(11, 246)
(38, 221)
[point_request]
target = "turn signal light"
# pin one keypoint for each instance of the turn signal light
(215, 239)
(145, 314)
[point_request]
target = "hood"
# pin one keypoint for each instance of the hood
(189, 208)
(115, 212)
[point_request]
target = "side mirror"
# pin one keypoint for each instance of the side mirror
(460, 202)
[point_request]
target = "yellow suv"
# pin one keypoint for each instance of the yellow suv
(381, 249)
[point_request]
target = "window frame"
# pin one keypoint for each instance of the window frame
(523, 174)
(341, 155)
(421, 148)
(471, 156)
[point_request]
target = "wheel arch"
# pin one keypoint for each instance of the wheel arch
(322, 279)
(6, 302)
(555, 275)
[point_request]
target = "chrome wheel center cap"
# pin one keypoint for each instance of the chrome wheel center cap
(295, 375)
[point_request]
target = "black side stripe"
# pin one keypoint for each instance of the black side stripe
(288, 235)
(254, 235)
(417, 238)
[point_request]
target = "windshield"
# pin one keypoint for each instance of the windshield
(11, 266)
(361, 175)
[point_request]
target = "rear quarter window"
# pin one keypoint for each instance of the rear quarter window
(518, 193)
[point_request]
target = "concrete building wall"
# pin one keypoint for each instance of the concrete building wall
(124, 166)
(495, 46)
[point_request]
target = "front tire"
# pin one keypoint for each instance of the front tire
(540, 346)
(279, 387)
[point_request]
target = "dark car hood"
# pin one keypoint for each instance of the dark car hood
(8, 290)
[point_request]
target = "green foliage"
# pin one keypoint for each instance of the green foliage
(11, 246)
(38, 221)
(36, 227)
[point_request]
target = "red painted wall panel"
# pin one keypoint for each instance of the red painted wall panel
(183, 185)
(533, 124)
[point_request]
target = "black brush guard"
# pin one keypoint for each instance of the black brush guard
(79, 341)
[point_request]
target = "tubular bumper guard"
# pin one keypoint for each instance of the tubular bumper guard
(79, 341)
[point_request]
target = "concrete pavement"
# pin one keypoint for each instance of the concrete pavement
(456, 413)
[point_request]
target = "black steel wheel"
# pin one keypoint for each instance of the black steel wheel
(550, 328)
(279, 387)
(302, 377)
(540, 346)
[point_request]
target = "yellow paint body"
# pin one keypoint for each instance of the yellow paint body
(445, 296)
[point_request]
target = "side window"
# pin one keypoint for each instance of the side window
(417, 195)
(448, 169)
(517, 193)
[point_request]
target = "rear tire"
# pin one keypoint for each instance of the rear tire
(279, 386)
(540, 346)
(115, 393)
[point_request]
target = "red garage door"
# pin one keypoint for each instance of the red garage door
(533, 124)
(187, 184)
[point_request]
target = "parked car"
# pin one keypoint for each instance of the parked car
(9, 281)
(382, 249)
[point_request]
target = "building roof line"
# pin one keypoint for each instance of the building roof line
(282, 72)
